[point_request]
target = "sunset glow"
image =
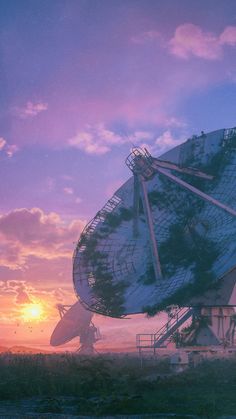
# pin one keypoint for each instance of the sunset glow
(33, 312)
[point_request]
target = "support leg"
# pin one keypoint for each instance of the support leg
(136, 206)
(148, 215)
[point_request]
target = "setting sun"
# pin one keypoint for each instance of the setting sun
(33, 312)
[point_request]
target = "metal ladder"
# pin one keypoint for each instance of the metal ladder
(160, 339)
(99, 217)
(80, 267)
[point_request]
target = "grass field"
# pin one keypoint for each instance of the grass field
(108, 385)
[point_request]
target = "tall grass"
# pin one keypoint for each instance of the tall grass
(113, 384)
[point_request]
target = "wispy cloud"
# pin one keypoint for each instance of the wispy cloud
(31, 109)
(99, 140)
(68, 191)
(31, 232)
(96, 139)
(19, 288)
(2, 143)
(163, 143)
(228, 36)
(11, 149)
(190, 40)
(8, 149)
(138, 136)
(22, 296)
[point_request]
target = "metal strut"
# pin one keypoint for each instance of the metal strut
(136, 205)
(197, 192)
(144, 167)
(148, 215)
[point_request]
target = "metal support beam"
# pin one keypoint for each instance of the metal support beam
(136, 206)
(197, 192)
(148, 214)
(186, 170)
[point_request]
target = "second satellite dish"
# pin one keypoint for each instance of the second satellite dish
(75, 321)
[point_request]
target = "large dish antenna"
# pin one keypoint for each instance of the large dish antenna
(167, 235)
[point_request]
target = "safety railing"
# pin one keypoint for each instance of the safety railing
(152, 340)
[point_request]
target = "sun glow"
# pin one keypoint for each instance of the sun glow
(33, 312)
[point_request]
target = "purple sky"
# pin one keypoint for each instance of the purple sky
(80, 82)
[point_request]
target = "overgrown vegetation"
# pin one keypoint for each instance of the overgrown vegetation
(114, 219)
(221, 159)
(109, 294)
(117, 385)
(148, 277)
(188, 249)
(111, 222)
(184, 294)
(185, 246)
(185, 337)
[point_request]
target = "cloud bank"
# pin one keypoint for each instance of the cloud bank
(31, 232)
(30, 109)
(190, 40)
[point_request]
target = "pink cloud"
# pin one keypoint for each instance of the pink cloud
(96, 139)
(11, 149)
(18, 288)
(163, 143)
(8, 149)
(68, 191)
(30, 232)
(22, 296)
(228, 36)
(2, 143)
(31, 109)
(191, 40)
(99, 140)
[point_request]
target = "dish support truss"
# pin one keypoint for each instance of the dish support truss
(162, 337)
(144, 168)
(221, 325)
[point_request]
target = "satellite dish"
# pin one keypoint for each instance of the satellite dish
(75, 321)
(167, 235)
